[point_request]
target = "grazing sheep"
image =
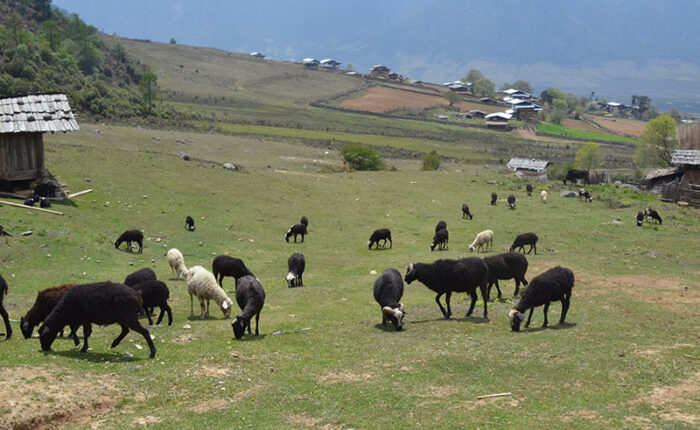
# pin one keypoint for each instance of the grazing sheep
(176, 262)
(494, 197)
(525, 239)
(588, 196)
(155, 293)
(29, 201)
(140, 276)
(651, 213)
(551, 286)
(465, 212)
(509, 265)
(202, 283)
(442, 225)
(304, 220)
(128, 237)
(528, 188)
(44, 202)
(250, 297)
(448, 276)
(574, 175)
(296, 265)
(103, 303)
(45, 301)
(640, 218)
(382, 234)
(296, 229)
(441, 240)
(3, 232)
(581, 192)
(481, 239)
(3, 292)
(189, 223)
(543, 196)
(511, 201)
(388, 290)
(223, 265)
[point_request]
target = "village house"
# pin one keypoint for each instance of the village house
(379, 71)
(257, 55)
(329, 63)
(310, 63)
(517, 94)
(529, 168)
(498, 121)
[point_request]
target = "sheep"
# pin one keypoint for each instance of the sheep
(651, 213)
(202, 283)
(640, 218)
(528, 188)
(465, 212)
(189, 223)
(525, 239)
(29, 201)
(296, 265)
(441, 239)
(382, 234)
(588, 196)
(481, 239)
(250, 297)
(494, 197)
(140, 276)
(45, 301)
(442, 225)
(223, 265)
(543, 196)
(296, 229)
(44, 202)
(101, 303)
(509, 265)
(155, 293)
(551, 286)
(304, 220)
(128, 237)
(447, 276)
(3, 292)
(574, 175)
(3, 232)
(388, 290)
(511, 201)
(581, 192)
(176, 262)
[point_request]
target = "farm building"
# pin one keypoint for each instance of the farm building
(517, 94)
(311, 63)
(529, 168)
(685, 188)
(23, 121)
(498, 121)
(329, 63)
(380, 71)
(257, 55)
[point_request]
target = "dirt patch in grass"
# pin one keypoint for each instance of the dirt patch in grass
(343, 376)
(147, 420)
(183, 339)
(668, 399)
(44, 397)
(443, 391)
(213, 371)
(306, 421)
(220, 403)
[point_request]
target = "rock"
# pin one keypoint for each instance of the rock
(617, 184)
(568, 194)
(492, 182)
(372, 272)
(185, 156)
(26, 233)
(630, 186)
(229, 166)
(128, 355)
(186, 327)
(616, 222)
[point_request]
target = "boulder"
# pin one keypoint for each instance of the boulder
(229, 166)
(568, 194)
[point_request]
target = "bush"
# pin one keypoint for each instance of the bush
(362, 158)
(431, 161)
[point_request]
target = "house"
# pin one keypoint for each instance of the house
(23, 122)
(614, 107)
(529, 168)
(395, 77)
(498, 121)
(257, 55)
(329, 63)
(478, 114)
(380, 71)
(310, 63)
(686, 187)
(517, 94)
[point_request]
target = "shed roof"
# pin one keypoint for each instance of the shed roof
(528, 163)
(686, 156)
(660, 173)
(36, 114)
(499, 115)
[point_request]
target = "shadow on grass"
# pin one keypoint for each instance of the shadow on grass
(564, 326)
(135, 250)
(96, 357)
(66, 202)
(250, 338)
(387, 327)
(209, 318)
(471, 319)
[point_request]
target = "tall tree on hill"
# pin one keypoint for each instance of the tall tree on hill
(657, 142)
(52, 33)
(523, 86)
(452, 97)
(548, 95)
(473, 76)
(148, 87)
(559, 111)
(588, 156)
(485, 88)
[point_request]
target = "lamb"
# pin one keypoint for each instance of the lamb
(543, 196)
(442, 225)
(388, 290)
(581, 193)
(296, 265)
(45, 301)
(128, 237)
(651, 213)
(494, 197)
(525, 239)
(573, 175)
(202, 283)
(140, 276)
(304, 220)
(640, 218)
(465, 212)
(551, 286)
(509, 265)
(176, 262)
(585, 195)
(528, 188)
(3, 292)
(382, 234)
(155, 293)
(189, 223)
(296, 229)
(250, 296)
(447, 276)
(29, 201)
(482, 240)
(101, 303)
(441, 240)
(511, 201)
(44, 203)
(223, 265)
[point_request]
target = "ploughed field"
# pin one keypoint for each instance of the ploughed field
(628, 355)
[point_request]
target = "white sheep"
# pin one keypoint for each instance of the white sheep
(543, 195)
(202, 283)
(483, 238)
(177, 262)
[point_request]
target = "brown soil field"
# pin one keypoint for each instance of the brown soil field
(620, 125)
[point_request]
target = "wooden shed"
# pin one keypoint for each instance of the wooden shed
(529, 168)
(23, 122)
(687, 187)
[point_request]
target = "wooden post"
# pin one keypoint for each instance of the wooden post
(17, 205)
(79, 193)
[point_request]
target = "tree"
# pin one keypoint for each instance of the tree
(349, 67)
(485, 88)
(148, 87)
(559, 111)
(52, 33)
(522, 86)
(657, 142)
(362, 158)
(550, 94)
(588, 156)
(473, 76)
(452, 97)
(431, 161)
(173, 41)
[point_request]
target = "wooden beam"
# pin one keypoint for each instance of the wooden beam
(17, 205)
(79, 193)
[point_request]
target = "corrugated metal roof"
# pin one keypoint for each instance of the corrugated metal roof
(36, 113)
(528, 163)
(686, 156)
(501, 115)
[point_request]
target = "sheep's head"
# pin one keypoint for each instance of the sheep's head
(239, 325)
(226, 307)
(432, 246)
(410, 274)
(290, 279)
(472, 248)
(117, 243)
(516, 317)
(26, 328)
(46, 336)
(369, 244)
(395, 315)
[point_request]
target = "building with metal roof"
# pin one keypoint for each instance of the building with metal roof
(686, 156)
(529, 168)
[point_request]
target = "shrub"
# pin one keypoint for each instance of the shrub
(362, 158)
(431, 161)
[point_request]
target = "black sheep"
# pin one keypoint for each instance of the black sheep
(223, 265)
(448, 276)
(382, 234)
(155, 293)
(295, 265)
(189, 223)
(304, 220)
(29, 201)
(296, 229)
(574, 175)
(46, 300)
(251, 299)
(551, 286)
(588, 196)
(511, 201)
(465, 212)
(494, 197)
(128, 237)
(3, 292)
(3, 232)
(525, 239)
(651, 213)
(528, 188)
(442, 225)
(44, 202)
(640, 218)
(441, 240)
(509, 265)
(388, 290)
(102, 303)
(140, 276)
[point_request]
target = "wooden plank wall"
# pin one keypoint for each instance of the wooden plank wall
(21, 155)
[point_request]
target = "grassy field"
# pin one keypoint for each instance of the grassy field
(628, 357)
(581, 134)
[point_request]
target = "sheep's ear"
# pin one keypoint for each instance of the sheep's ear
(224, 305)
(401, 307)
(235, 320)
(410, 268)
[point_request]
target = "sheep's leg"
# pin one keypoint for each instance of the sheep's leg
(148, 315)
(87, 331)
(383, 319)
(202, 315)
(497, 288)
(140, 247)
(565, 302)
(546, 308)
(473, 295)
(137, 327)
(249, 330)
(6, 319)
(191, 305)
(302, 238)
(73, 334)
(482, 287)
(301, 281)
(391, 244)
(529, 317)
(437, 300)
(122, 335)
(257, 319)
